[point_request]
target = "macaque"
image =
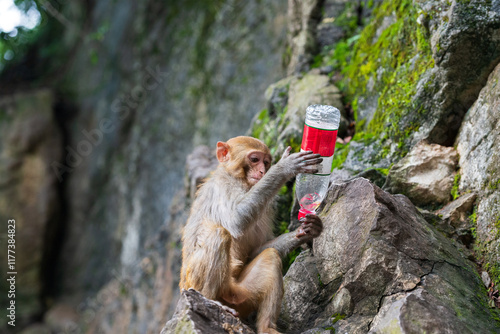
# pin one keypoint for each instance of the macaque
(229, 252)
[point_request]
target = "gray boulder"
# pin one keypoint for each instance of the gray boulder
(379, 267)
(478, 145)
(197, 314)
(425, 175)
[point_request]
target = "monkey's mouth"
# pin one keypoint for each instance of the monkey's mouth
(255, 179)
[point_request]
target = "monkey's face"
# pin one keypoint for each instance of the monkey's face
(258, 164)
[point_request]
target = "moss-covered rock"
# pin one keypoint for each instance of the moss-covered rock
(281, 125)
(413, 71)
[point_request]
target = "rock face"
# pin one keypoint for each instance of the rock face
(154, 286)
(423, 92)
(283, 120)
(30, 142)
(155, 81)
(196, 314)
(379, 267)
(199, 164)
(425, 175)
(303, 20)
(478, 145)
(456, 212)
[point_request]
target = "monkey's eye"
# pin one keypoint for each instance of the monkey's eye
(254, 159)
(267, 163)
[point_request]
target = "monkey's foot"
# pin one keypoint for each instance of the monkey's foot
(227, 309)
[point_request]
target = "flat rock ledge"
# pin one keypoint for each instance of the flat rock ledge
(197, 314)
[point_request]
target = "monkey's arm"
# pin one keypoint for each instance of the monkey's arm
(255, 200)
(284, 244)
(311, 227)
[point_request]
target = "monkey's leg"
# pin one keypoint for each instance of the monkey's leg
(263, 279)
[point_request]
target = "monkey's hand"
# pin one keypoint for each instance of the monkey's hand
(300, 162)
(310, 228)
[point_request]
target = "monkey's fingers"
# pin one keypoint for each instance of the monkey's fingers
(308, 155)
(314, 161)
(313, 218)
(311, 231)
(300, 233)
(309, 169)
(303, 153)
(287, 152)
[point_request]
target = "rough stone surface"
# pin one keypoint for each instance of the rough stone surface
(478, 145)
(457, 212)
(329, 33)
(454, 219)
(61, 318)
(197, 315)
(152, 288)
(199, 164)
(486, 279)
(30, 141)
(479, 139)
(303, 18)
(464, 38)
(425, 175)
(386, 268)
(277, 95)
(360, 158)
(166, 78)
(460, 34)
(312, 88)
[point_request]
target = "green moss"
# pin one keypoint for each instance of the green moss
(184, 325)
(493, 185)
(473, 222)
(454, 189)
(93, 57)
(101, 32)
(392, 63)
(336, 317)
(341, 151)
(258, 126)
(283, 228)
(384, 171)
(494, 271)
(289, 259)
(295, 143)
(321, 284)
(287, 56)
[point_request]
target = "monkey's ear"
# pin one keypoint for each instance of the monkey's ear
(222, 151)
